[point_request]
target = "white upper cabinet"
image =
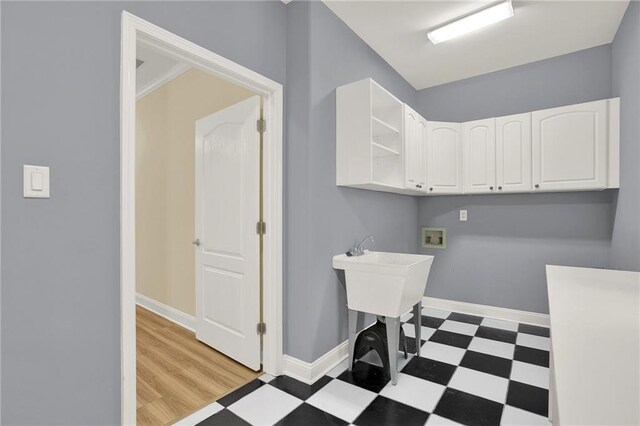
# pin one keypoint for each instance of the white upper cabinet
(384, 145)
(513, 153)
(479, 156)
(570, 147)
(415, 149)
(369, 137)
(444, 158)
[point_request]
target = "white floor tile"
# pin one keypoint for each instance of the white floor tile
(425, 332)
(415, 392)
(444, 353)
(482, 384)
(512, 416)
(459, 327)
(438, 313)
(338, 369)
(200, 415)
(266, 378)
(342, 399)
(530, 374)
(265, 406)
(537, 342)
(435, 420)
(492, 347)
(501, 324)
(406, 317)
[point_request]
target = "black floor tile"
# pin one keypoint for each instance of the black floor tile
(533, 329)
(387, 412)
(532, 356)
(468, 409)
(411, 345)
(497, 334)
(240, 393)
(223, 418)
(470, 319)
(429, 369)
(529, 398)
(365, 375)
(297, 388)
(451, 339)
(426, 321)
(307, 414)
(487, 363)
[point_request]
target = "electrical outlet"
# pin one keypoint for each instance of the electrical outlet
(463, 215)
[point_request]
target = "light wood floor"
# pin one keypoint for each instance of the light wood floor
(177, 374)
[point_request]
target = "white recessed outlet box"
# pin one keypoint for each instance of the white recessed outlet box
(434, 238)
(463, 215)
(35, 181)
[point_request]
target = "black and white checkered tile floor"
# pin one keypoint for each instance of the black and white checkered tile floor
(471, 371)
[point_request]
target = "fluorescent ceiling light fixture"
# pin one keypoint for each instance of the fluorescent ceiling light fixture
(473, 21)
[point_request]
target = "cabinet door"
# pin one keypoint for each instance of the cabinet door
(444, 158)
(479, 156)
(570, 147)
(422, 153)
(415, 150)
(513, 153)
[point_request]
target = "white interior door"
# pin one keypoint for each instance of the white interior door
(227, 210)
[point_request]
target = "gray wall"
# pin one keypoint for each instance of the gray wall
(497, 257)
(325, 220)
(625, 248)
(60, 257)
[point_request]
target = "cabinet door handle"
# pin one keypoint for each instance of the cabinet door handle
(500, 188)
(537, 186)
(430, 189)
(491, 188)
(418, 185)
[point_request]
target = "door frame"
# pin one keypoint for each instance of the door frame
(135, 29)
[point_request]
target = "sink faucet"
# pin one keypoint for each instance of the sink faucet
(358, 249)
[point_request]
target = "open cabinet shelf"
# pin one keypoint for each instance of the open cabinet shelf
(369, 135)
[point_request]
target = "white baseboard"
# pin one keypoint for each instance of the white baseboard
(172, 314)
(524, 317)
(309, 372)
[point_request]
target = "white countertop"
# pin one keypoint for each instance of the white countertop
(595, 345)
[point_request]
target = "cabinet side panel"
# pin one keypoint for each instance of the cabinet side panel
(613, 145)
(353, 133)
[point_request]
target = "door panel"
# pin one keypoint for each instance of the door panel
(570, 147)
(444, 165)
(479, 156)
(513, 153)
(415, 150)
(227, 209)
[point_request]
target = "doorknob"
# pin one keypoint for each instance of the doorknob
(196, 242)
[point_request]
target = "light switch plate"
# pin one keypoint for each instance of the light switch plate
(35, 181)
(463, 215)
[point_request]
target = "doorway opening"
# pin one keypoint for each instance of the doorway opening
(201, 178)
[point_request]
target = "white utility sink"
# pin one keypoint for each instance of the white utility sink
(386, 284)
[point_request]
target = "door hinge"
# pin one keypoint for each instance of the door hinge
(261, 125)
(261, 328)
(261, 228)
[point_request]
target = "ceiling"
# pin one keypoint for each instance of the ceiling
(397, 31)
(155, 65)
